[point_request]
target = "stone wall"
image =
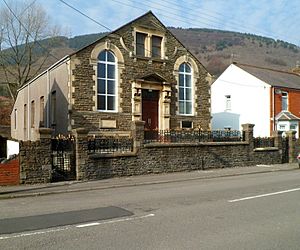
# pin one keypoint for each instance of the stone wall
(35, 159)
(175, 157)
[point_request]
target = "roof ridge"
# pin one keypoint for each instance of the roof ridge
(265, 68)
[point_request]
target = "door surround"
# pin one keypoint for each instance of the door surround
(164, 100)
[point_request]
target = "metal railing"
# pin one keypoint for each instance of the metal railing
(181, 136)
(263, 142)
(110, 144)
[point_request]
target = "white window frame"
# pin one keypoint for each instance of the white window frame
(106, 95)
(284, 99)
(227, 102)
(184, 88)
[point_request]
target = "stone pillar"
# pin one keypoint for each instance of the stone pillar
(36, 159)
(291, 135)
(45, 135)
(137, 128)
(81, 152)
(277, 139)
(248, 133)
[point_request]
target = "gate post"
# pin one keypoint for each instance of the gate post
(291, 135)
(45, 135)
(248, 134)
(35, 159)
(81, 152)
(137, 128)
(277, 139)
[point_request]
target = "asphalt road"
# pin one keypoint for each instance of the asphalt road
(258, 211)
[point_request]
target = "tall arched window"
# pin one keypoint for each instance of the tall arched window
(185, 89)
(106, 81)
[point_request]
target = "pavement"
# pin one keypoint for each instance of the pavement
(8, 192)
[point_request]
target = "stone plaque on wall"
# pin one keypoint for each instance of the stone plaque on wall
(108, 124)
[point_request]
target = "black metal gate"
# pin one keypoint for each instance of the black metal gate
(285, 150)
(63, 159)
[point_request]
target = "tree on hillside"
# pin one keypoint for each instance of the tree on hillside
(5, 109)
(22, 55)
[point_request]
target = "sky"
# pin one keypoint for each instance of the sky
(277, 19)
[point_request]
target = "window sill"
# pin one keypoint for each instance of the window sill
(186, 115)
(153, 59)
(107, 111)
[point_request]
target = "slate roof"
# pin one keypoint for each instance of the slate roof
(286, 116)
(273, 77)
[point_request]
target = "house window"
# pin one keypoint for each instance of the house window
(141, 44)
(15, 118)
(227, 102)
(53, 108)
(148, 45)
(106, 81)
(293, 127)
(42, 117)
(284, 101)
(281, 127)
(25, 116)
(25, 121)
(156, 46)
(185, 89)
(32, 112)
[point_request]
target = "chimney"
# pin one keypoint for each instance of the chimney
(297, 69)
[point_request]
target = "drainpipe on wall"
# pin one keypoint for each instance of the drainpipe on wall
(49, 99)
(273, 99)
(28, 113)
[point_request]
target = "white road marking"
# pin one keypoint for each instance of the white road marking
(88, 225)
(33, 233)
(77, 226)
(114, 221)
(264, 195)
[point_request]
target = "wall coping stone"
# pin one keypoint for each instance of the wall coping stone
(266, 149)
(195, 144)
(112, 155)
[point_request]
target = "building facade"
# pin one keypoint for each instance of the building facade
(138, 72)
(268, 98)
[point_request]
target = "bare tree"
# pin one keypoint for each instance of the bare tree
(23, 48)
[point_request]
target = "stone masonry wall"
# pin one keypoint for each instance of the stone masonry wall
(164, 158)
(84, 86)
(171, 157)
(35, 159)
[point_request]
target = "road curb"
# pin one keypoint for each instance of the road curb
(24, 195)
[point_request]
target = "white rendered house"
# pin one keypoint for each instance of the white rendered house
(251, 94)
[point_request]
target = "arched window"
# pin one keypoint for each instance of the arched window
(106, 81)
(185, 89)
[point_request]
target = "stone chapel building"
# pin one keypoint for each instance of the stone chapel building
(137, 72)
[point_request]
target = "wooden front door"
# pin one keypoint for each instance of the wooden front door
(150, 108)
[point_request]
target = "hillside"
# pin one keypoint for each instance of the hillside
(216, 49)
